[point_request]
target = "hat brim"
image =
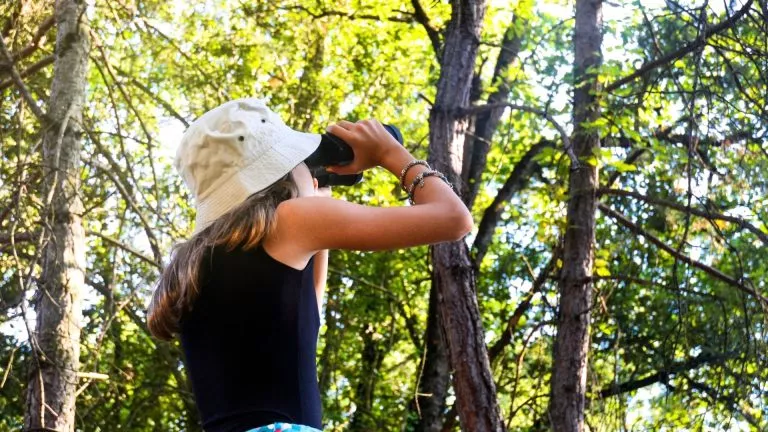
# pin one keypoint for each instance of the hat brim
(290, 150)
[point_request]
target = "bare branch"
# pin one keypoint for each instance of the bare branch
(682, 52)
(434, 35)
(575, 165)
(45, 61)
(517, 179)
(124, 247)
(33, 43)
(20, 84)
(717, 274)
(705, 213)
(664, 374)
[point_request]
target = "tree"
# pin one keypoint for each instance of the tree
(676, 334)
(453, 271)
(569, 374)
(56, 341)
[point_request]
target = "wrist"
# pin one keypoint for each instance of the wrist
(395, 159)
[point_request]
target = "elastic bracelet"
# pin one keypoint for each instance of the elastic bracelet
(419, 181)
(410, 165)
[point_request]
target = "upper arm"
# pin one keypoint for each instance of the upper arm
(316, 223)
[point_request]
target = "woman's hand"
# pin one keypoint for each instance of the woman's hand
(370, 142)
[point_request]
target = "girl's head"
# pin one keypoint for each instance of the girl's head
(234, 151)
(240, 161)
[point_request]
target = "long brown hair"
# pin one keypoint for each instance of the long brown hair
(245, 226)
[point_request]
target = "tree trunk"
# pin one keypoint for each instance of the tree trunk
(372, 356)
(479, 144)
(56, 342)
(569, 375)
(435, 372)
(452, 269)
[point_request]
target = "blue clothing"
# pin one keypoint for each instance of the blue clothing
(250, 342)
(284, 427)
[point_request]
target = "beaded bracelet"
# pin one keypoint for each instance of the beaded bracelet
(410, 165)
(419, 181)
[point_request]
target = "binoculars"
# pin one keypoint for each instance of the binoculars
(334, 151)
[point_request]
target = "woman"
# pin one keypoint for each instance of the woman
(243, 294)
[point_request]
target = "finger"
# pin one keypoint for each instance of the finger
(343, 170)
(345, 124)
(339, 131)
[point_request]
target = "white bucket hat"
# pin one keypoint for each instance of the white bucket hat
(235, 150)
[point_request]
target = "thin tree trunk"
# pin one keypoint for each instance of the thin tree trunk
(56, 342)
(327, 361)
(452, 268)
(434, 381)
(372, 356)
(569, 375)
(479, 144)
(429, 405)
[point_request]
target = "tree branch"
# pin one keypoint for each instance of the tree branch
(153, 243)
(33, 43)
(154, 97)
(350, 15)
(124, 247)
(664, 374)
(734, 404)
(690, 47)
(45, 61)
(16, 78)
(434, 35)
(575, 165)
(717, 274)
(496, 349)
(683, 208)
(20, 237)
(517, 179)
(410, 324)
(478, 144)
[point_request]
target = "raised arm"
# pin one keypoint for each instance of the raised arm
(316, 223)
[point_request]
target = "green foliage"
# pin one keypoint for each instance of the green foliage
(698, 124)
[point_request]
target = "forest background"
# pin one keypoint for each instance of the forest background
(614, 155)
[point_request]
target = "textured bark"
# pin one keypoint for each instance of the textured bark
(453, 271)
(569, 375)
(56, 342)
(434, 376)
(435, 369)
(486, 123)
(372, 355)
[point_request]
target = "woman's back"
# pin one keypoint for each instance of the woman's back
(250, 342)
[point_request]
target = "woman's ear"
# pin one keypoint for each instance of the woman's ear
(314, 183)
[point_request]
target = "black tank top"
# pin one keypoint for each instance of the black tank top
(250, 342)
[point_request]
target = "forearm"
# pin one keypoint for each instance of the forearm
(438, 192)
